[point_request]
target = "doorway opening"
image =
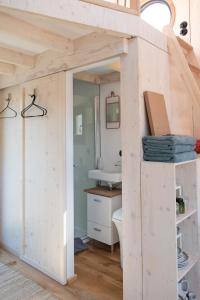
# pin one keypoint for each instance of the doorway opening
(97, 180)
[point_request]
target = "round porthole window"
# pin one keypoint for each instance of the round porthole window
(157, 13)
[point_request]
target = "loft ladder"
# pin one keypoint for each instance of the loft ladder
(191, 58)
(189, 70)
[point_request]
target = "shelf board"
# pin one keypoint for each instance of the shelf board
(169, 163)
(182, 217)
(185, 162)
(183, 272)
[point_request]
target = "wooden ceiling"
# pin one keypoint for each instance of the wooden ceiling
(33, 45)
(23, 36)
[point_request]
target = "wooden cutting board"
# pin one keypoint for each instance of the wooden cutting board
(157, 113)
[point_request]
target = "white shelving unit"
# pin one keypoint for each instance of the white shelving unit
(160, 182)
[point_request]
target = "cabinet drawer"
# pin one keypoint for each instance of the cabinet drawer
(99, 210)
(100, 233)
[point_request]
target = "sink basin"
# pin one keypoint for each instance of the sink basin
(102, 175)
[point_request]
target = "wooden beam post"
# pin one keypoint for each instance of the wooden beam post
(131, 200)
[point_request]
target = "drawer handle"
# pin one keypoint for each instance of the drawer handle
(97, 200)
(97, 229)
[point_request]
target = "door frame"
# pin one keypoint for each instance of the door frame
(132, 125)
(69, 219)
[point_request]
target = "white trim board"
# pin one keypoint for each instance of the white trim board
(69, 227)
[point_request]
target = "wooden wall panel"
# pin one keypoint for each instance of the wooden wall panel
(130, 117)
(195, 22)
(181, 103)
(11, 173)
(144, 68)
(44, 175)
(159, 239)
(189, 10)
(153, 76)
(182, 14)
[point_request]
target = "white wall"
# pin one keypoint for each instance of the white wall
(11, 173)
(110, 138)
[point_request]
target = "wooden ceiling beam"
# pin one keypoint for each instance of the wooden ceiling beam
(88, 50)
(7, 69)
(16, 57)
(95, 40)
(135, 4)
(115, 66)
(34, 34)
(114, 6)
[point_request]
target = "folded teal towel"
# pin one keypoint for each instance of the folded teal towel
(169, 158)
(169, 140)
(155, 149)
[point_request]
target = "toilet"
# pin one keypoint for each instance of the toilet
(117, 220)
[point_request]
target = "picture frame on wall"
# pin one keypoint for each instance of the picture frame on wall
(113, 111)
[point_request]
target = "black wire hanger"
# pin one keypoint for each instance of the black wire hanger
(42, 109)
(14, 113)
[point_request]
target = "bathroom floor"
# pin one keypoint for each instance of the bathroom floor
(99, 275)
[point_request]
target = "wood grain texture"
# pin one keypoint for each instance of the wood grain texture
(104, 191)
(91, 16)
(16, 57)
(182, 9)
(87, 50)
(130, 10)
(159, 231)
(184, 83)
(11, 184)
(184, 44)
(99, 275)
(157, 113)
(159, 221)
(32, 33)
(7, 69)
(44, 178)
(131, 124)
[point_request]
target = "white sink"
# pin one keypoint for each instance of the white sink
(102, 175)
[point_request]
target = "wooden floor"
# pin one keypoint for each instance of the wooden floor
(99, 275)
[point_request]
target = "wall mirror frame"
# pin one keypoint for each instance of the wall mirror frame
(113, 111)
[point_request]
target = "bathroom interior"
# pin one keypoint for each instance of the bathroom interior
(97, 170)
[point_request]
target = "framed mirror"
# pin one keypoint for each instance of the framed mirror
(113, 111)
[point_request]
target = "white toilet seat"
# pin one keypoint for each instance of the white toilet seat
(118, 221)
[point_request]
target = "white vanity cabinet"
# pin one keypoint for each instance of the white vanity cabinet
(101, 204)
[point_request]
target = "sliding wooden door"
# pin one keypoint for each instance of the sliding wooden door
(44, 211)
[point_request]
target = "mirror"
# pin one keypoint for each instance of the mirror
(113, 111)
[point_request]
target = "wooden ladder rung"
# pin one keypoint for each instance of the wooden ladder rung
(195, 69)
(184, 44)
